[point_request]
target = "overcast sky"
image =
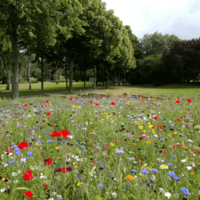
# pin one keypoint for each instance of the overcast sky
(179, 17)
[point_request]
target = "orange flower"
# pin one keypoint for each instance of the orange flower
(129, 177)
(191, 173)
(148, 142)
(134, 143)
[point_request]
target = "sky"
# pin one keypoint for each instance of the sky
(179, 17)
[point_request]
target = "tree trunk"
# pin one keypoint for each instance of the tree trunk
(15, 68)
(107, 80)
(66, 76)
(42, 74)
(8, 81)
(84, 77)
(114, 77)
(123, 79)
(103, 76)
(49, 75)
(94, 81)
(71, 76)
(118, 78)
(29, 78)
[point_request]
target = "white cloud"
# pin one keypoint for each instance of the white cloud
(179, 17)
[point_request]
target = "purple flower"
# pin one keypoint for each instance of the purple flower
(185, 191)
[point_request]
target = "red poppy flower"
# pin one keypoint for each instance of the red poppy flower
(177, 101)
(97, 104)
(106, 147)
(48, 161)
(174, 146)
(42, 106)
(141, 163)
(27, 175)
(21, 145)
(178, 145)
(28, 194)
(102, 97)
(113, 95)
(25, 105)
(47, 101)
(91, 101)
(48, 114)
(115, 141)
(45, 186)
(164, 153)
(8, 150)
(142, 97)
(76, 97)
(55, 134)
(178, 119)
(160, 127)
(65, 133)
(138, 158)
(189, 100)
(155, 118)
(70, 99)
(178, 98)
(143, 136)
(63, 169)
(113, 103)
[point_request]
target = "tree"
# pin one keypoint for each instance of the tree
(181, 61)
(154, 44)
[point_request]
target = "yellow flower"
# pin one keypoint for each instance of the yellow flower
(3, 179)
(80, 183)
(164, 166)
(107, 117)
(75, 166)
(134, 143)
(148, 142)
(58, 157)
(150, 126)
(153, 163)
(141, 127)
(57, 148)
(129, 177)
(36, 144)
(98, 198)
(112, 144)
(144, 131)
(175, 133)
(191, 173)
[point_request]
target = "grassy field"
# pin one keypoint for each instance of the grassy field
(101, 148)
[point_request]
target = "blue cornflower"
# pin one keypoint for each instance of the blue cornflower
(182, 155)
(16, 149)
(11, 162)
(154, 170)
(176, 178)
(120, 152)
(170, 164)
(79, 176)
(85, 151)
(161, 140)
(46, 132)
(145, 171)
(17, 153)
(71, 131)
(185, 191)
(174, 156)
(76, 142)
(29, 153)
(72, 121)
(100, 185)
(62, 103)
(35, 127)
(131, 159)
(134, 170)
(82, 124)
(172, 173)
(82, 146)
(38, 142)
(59, 142)
(49, 141)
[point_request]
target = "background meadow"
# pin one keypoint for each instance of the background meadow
(100, 148)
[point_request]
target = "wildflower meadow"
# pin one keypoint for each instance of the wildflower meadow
(100, 148)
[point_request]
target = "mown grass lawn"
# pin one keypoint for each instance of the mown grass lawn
(36, 88)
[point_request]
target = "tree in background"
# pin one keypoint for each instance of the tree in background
(181, 61)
